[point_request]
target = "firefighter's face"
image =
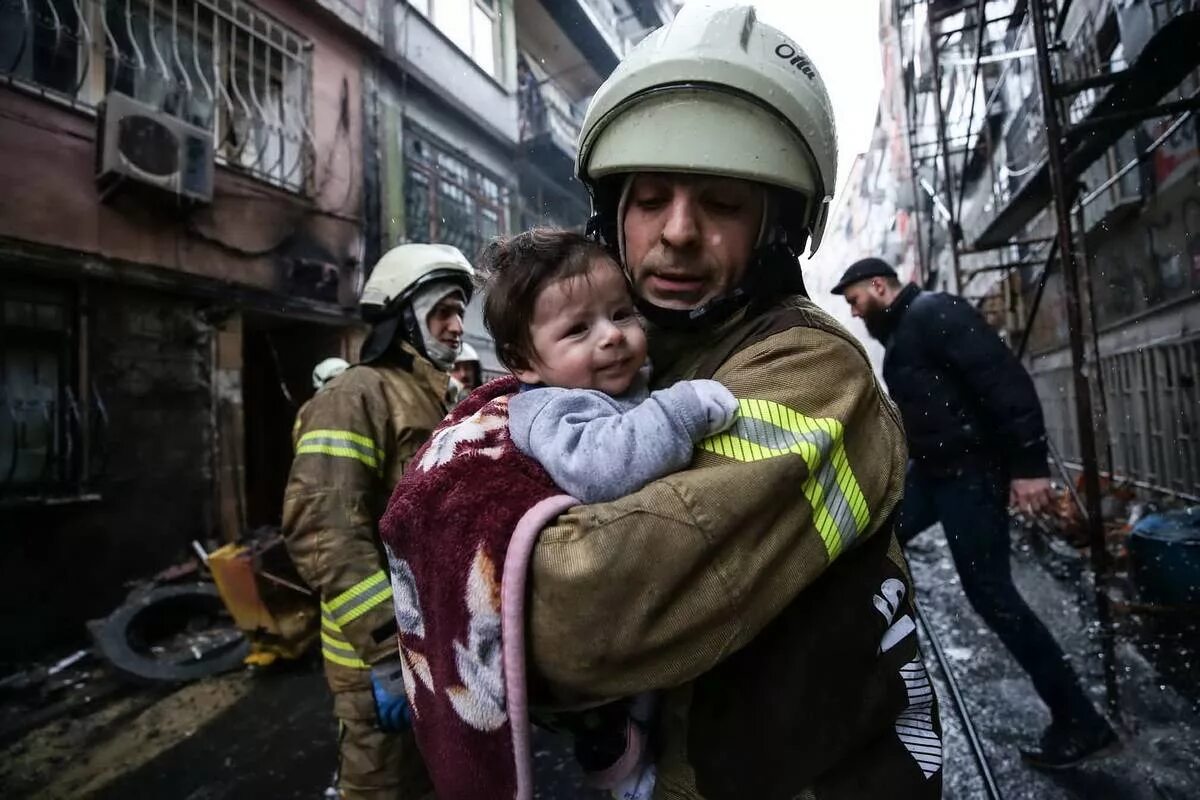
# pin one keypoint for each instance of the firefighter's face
(445, 321)
(688, 238)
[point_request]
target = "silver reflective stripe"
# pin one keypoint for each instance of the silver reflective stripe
(771, 436)
(357, 605)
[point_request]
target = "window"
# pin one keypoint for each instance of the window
(218, 64)
(39, 43)
(473, 25)
(39, 422)
(448, 198)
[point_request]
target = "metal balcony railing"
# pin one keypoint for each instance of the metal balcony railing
(546, 109)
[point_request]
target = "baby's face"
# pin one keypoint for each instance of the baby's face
(586, 333)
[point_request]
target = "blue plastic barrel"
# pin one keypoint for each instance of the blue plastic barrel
(1165, 553)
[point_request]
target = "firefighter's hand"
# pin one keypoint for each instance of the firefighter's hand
(1030, 495)
(391, 702)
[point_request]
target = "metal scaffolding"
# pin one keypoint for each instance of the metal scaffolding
(957, 56)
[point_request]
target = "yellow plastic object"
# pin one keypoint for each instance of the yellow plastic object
(261, 658)
(266, 599)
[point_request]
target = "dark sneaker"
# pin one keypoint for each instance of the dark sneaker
(1063, 746)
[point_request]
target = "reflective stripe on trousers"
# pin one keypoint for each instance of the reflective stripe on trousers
(362, 597)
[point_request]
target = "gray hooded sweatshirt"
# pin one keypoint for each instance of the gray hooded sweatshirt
(598, 447)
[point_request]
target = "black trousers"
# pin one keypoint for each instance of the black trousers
(973, 509)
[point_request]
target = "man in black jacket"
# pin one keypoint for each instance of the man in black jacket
(977, 444)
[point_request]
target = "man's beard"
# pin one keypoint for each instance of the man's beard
(879, 323)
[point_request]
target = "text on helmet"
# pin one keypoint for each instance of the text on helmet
(787, 52)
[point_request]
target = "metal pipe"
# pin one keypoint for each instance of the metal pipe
(985, 769)
(1057, 458)
(974, 25)
(1101, 385)
(1068, 88)
(284, 582)
(938, 204)
(1145, 154)
(1124, 118)
(912, 161)
(1037, 298)
(941, 123)
(971, 273)
(996, 58)
(1083, 400)
(1117, 477)
(966, 251)
(958, 151)
(967, 149)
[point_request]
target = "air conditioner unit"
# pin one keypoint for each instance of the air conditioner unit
(136, 142)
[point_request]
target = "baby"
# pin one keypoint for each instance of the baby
(563, 321)
(560, 311)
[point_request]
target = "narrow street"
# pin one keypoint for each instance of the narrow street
(271, 734)
(241, 735)
(1160, 729)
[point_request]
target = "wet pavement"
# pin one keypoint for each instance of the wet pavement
(247, 735)
(1159, 727)
(240, 736)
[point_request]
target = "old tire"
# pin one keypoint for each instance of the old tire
(147, 638)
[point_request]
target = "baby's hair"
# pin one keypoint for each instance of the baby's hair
(515, 270)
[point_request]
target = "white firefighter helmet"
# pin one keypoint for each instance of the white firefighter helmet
(466, 354)
(327, 370)
(404, 269)
(716, 92)
(397, 277)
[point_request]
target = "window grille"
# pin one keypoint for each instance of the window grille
(449, 199)
(1153, 396)
(218, 64)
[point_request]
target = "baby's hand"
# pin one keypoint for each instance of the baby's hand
(719, 404)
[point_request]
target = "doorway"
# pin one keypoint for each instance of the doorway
(278, 357)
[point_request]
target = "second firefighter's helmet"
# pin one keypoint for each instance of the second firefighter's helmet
(405, 269)
(401, 273)
(717, 92)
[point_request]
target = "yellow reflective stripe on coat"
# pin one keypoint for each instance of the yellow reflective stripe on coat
(342, 444)
(764, 429)
(335, 647)
(370, 592)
